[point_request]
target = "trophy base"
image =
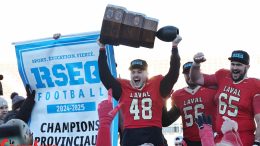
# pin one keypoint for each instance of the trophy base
(110, 32)
(147, 38)
(129, 36)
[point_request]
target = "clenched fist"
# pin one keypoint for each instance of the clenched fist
(199, 58)
(176, 41)
(100, 44)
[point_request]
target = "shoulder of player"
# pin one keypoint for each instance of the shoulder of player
(157, 77)
(207, 93)
(223, 71)
(177, 93)
(123, 81)
(254, 81)
(203, 89)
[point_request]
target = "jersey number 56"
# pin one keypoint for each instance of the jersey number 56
(189, 111)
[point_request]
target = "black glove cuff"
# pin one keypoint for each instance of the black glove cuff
(175, 50)
(256, 143)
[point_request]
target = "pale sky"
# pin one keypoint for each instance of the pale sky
(213, 27)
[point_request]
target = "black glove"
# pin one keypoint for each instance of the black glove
(202, 119)
(30, 94)
(256, 143)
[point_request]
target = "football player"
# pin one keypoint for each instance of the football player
(141, 98)
(237, 96)
(192, 101)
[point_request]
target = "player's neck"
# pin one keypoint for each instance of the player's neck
(137, 87)
(241, 80)
(192, 86)
(192, 91)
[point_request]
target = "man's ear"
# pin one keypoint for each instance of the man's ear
(146, 73)
(247, 67)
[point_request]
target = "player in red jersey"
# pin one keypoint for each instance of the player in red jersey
(237, 96)
(192, 101)
(141, 98)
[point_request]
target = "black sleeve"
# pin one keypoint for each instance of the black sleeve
(168, 117)
(26, 109)
(106, 77)
(1, 88)
(171, 77)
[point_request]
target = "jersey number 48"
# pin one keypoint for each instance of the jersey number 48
(146, 105)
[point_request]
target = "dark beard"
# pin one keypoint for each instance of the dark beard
(191, 85)
(241, 77)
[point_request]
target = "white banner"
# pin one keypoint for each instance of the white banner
(64, 73)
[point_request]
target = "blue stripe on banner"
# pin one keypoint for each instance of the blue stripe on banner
(62, 40)
(72, 107)
(112, 66)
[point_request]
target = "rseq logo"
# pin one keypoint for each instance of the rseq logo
(70, 74)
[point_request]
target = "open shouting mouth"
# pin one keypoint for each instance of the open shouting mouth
(137, 81)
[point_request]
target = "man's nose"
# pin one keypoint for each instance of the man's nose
(235, 67)
(135, 74)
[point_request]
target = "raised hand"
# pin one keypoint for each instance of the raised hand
(100, 44)
(205, 130)
(30, 93)
(176, 41)
(228, 125)
(202, 119)
(56, 36)
(106, 112)
(199, 58)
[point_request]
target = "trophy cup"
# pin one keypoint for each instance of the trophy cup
(133, 29)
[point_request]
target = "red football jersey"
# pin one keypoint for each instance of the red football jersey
(191, 104)
(142, 108)
(234, 100)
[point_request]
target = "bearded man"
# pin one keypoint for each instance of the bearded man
(237, 97)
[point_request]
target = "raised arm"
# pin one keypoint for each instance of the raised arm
(199, 78)
(27, 107)
(195, 74)
(257, 132)
(171, 77)
(106, 114)
(105, 75)
(256, 103)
